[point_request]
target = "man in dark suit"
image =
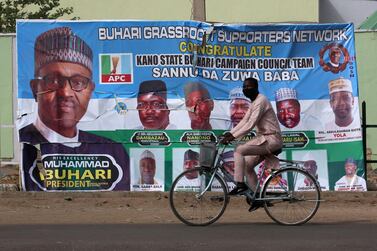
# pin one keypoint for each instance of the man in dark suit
(62, 87)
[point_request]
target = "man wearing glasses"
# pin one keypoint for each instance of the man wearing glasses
(199, 105)
(62, 88)
(152, 107)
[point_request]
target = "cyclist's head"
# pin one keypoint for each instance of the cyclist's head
(250, 88)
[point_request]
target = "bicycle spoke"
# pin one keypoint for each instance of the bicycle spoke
(292, 207)
(204, 209)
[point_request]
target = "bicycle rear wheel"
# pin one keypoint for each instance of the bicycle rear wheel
(293, 196)
(191, 208)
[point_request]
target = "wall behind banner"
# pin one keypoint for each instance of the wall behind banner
(366, 48)
(262, 11)
(131, 9)
(216, 10)
(6, 97)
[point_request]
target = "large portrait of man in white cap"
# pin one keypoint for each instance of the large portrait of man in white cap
(341, 119)
(342, 103)
(288, 107)
(62, 87)
(294, 114)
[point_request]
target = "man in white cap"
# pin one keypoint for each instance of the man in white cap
(351, 181)
(341, 101)
(190, 161)
(287, 107)
(239, 104)
(62, 87)
(147, 166)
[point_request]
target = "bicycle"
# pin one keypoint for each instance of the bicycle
(199, 196)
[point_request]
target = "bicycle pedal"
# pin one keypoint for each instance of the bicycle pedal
(254, 207)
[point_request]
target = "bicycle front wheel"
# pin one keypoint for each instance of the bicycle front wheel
(193, 207)
(292, 196)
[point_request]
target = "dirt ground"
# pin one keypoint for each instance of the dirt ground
(153, 207)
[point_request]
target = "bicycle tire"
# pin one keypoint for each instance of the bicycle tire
(194, 211)
(288, 202)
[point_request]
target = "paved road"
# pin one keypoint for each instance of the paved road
(261, 236)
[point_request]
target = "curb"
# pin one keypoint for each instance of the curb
(326, 196)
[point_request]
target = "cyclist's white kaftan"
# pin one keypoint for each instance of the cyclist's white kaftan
(268, 139)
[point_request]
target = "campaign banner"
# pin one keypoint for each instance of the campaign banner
(125, 105)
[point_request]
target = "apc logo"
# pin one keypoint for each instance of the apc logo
(116, 68)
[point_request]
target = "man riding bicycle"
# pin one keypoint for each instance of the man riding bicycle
(266, 142)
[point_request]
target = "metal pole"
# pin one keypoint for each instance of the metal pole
(364, 132)
(199, 10)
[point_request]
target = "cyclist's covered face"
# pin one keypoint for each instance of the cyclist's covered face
(199, 109)
(153, 111)
(250, 89)
(238, 109)
(63, 91)
(190, 164)
(147, 170)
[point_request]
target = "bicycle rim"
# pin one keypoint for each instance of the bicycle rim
(191, 209)
(291, 201)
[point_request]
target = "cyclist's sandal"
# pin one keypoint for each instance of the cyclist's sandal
(257, 204)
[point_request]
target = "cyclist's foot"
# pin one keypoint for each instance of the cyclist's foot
(239, 189)
(259, 203)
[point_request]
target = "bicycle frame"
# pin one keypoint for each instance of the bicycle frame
(251, 194)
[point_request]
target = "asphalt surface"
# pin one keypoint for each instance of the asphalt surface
(260, 236)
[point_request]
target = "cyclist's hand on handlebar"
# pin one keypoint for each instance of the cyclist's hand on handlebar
(227, 138)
